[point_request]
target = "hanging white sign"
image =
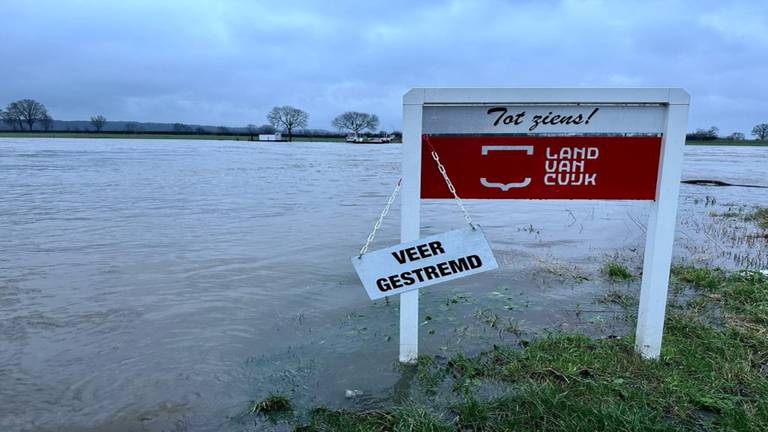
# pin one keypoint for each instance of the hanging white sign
(427, 261)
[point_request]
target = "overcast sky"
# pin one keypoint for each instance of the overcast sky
(228, 62)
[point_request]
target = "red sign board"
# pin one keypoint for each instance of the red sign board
(542, 167)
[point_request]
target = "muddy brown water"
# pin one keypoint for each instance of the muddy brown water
(160, 285)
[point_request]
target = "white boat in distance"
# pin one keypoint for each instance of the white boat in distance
(372, 140)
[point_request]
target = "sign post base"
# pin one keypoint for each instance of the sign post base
(409, 327)
(660, 237)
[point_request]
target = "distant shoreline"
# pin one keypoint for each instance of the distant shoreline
(726, 142)
(296, 138)
(169, 136)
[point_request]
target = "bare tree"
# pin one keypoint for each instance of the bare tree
(288, 118)
(736, 136)
(760, 131)
(46, 122)
(222, 130)
(356, 121)
(98, 122)
(26, 111)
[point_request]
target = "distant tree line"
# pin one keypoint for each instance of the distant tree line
(29, 114)
(760, 132)
(288, 119)
(704, 134)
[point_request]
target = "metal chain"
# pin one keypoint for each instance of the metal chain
(451, 188)
(392, 197)
(384, 212)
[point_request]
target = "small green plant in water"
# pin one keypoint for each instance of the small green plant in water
(487, 316)
(513, 326)
(426, 371)
(272, 404)
(614, 296)
(455, 299)
(617, 272)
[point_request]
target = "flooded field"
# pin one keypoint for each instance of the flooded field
(161, 285)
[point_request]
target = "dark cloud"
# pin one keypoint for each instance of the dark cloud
(229, 62)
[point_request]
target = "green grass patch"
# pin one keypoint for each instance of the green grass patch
(406, 418)
(743, 295)
(616, 271)
(709, 377)
(325, 419)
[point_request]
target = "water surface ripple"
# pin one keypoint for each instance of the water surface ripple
(162, 284)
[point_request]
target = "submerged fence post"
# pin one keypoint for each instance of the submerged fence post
(661, 230)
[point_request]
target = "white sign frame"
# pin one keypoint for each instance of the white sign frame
(663, 211)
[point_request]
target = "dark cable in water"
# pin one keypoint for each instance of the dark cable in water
(720, 183)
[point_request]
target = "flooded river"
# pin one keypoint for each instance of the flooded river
(161, 285)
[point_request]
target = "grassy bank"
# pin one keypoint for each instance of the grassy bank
(727, 142)
(152, 135)
(712, 375)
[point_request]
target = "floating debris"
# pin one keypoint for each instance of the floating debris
(350, 394)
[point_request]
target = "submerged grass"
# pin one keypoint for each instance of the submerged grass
(405, 418)
(709, 377)
(759, 217)
(614, 296)
(743, 295)
(272, 404)
(616, 271)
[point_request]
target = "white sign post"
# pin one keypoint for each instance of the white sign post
(494, 120)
